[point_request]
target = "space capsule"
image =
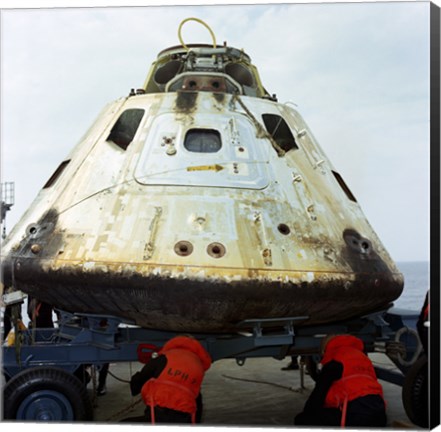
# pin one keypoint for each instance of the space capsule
(195, 203)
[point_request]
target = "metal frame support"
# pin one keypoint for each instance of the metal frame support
(96, 339)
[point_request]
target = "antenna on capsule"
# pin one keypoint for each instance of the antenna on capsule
(213, 37)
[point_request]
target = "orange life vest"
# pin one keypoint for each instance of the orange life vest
(179, 384)
(358, 378)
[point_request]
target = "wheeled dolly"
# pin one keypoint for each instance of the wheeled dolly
(40, 370)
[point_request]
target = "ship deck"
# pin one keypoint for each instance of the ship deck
(258, 394)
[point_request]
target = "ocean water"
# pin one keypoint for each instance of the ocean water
(416, 284)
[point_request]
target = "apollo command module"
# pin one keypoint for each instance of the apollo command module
(197, 202)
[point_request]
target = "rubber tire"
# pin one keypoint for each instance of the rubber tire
(415, 393)
(40, 379)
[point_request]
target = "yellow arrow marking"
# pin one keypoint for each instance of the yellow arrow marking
(206, 168)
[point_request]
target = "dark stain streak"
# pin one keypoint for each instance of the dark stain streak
(359, 253)
(219, 97)
(186, 101)
(45, 234)
(42, 233)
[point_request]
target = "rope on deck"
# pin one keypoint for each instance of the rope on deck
(124, 410)
(293, 389)
(118, 379)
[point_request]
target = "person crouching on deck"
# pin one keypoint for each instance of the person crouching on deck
(170, 383)
(347, 392)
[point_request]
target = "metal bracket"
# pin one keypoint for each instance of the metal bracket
(13, 298)
(278, 338)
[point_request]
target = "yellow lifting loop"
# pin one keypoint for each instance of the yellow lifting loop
(200, 22)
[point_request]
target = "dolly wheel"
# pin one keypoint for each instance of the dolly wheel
(46, 394)
(415, 393)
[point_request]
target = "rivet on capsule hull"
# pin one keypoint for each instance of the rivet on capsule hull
(35, 249)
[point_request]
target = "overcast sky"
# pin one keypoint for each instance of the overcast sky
(359, 73)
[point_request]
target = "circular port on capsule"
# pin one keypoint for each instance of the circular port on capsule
(356, 242)
(216, 250)
(283, 229)
(183, 248)
(32, 230)
(39, 230)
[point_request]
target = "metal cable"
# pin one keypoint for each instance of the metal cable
(124, 410)
(299, 390)
(118, 379)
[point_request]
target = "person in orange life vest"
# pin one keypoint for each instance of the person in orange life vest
(347, 392)
(170, 383)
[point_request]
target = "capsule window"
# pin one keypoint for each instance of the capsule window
(203, 141)
(344, 186)
(54, 177)
(280, 131)
(125, 128)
